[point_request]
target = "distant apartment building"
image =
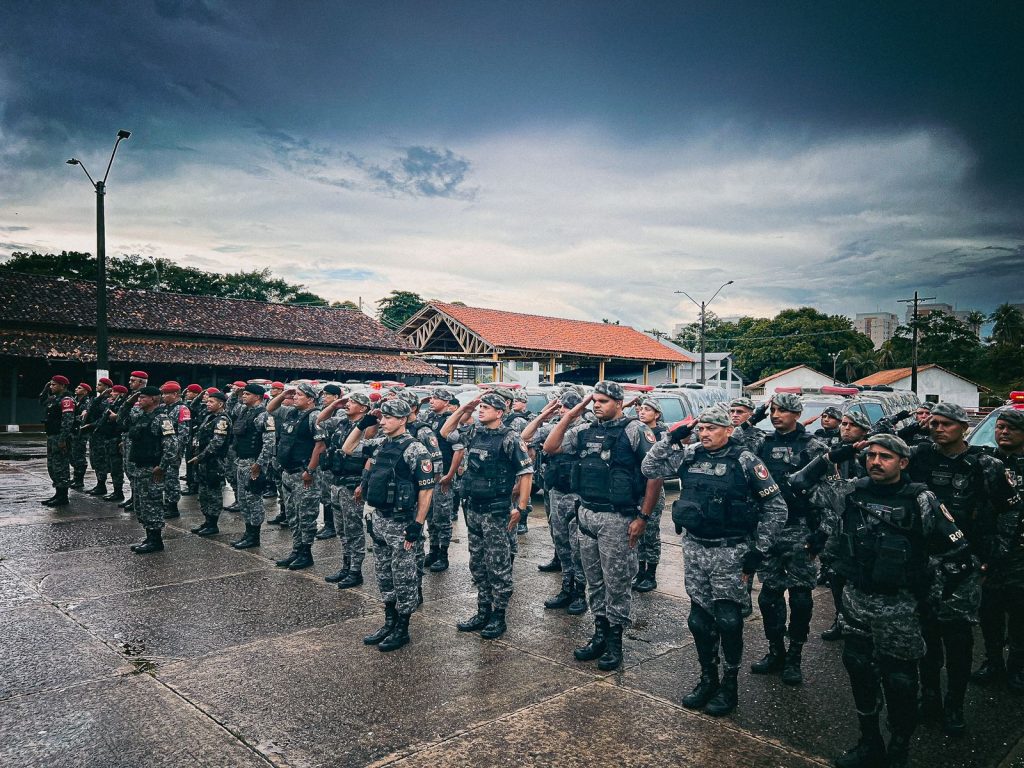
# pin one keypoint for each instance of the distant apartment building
(877, 326)
(963, 315)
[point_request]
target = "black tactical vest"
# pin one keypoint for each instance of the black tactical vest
(344, 468)
(829, 437)
(782, 454)
(959, 483)
(714, 502)
(204, 436)
(248, 441)
(558, 471)
(607, 474)
(489, 475)
(295, 447)
(881, 541)
(145, 446)
(105, 427)
(54, 412)
(389, 484)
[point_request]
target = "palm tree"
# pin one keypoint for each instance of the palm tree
(1008, 325)
(974, 321)
(885, 357)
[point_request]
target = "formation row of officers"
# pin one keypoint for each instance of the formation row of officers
(919, 535)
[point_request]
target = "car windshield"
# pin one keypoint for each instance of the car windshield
(671, 409)
(985, 433)
(536, 403)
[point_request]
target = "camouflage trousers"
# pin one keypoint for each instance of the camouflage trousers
(114, 459)
(231, 477)
(250, 505)
(649, 546)
(98, 455)
(962, 603)
(348, 519)
(715, 573)
(395, 566)
(490, 555)
(301, 504)
(130, 469)
(787, 565)
(565, 533)
(172, 485)
(149, 498)
(79, 449)
(439, 522)
(210, 479)
(58, 462)
(891, 622)
(609, 563)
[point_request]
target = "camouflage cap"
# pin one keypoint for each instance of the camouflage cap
(570, 399)
(787, 401)
(858, 418)
(442, 394)
(951, 411)
(742, 402)
(520, 396)
(360, 398)
(505, 393)
(495, 400)
(832, 412)
(925, 406)
(890, 443)
(610, 389)
(395, 407)
(306, 389)
(652, 402)
(411, 398)
(716, 415)
(1013, 417)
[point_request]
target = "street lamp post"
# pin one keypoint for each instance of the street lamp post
(102, 358)
(703, 323)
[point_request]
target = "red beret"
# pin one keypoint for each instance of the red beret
(276, 385)
(106, 381)
(238, 384)
(140, 375)
(194, 388)
(58, 379)
(375, 396)
(119, 388)
(170, 386)
(84, 386)
(211, 390)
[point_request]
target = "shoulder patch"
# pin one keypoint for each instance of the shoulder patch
(650, 436)
(67, 405)
(946, 513)
(270, 423)
(427, 466)
(761, 471)
(184, 414)
(166, 427)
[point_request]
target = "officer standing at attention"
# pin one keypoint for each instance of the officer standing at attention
(94, 418)
(439, 527)
(732, 512)
(181, 417)
(59, 422)
(126, 415)
(497, 459)
(1002, 594)
(299, 455)
(610, 486)
(397, 485)
(211, 450)
(194, 400)
(649, 549)
(789, 566)
(80, 436)
(886, 529)
(253, 440)
(110, 431)
(154, 450)
(330, 394)
(516, 419)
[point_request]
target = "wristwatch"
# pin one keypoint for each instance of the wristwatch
(520, 510)
(646, 518)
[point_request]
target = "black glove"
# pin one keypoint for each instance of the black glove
(814, 543)
(413, 531)
(904, 414)
(680, 432)
(369, 420)
(759, 413)
(751, 560)
(845, 452)
(954, 572)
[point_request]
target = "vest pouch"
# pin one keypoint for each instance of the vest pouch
(592, 481)
(405, 495)
(621, 488)
(716, 512)
(381, 490)
(892, 561)
(687, 514)
(558, 475)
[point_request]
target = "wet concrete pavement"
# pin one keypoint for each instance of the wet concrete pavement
(206, 656)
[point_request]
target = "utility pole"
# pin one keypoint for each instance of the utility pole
(703, 324)
(913, 361)
(835, 359)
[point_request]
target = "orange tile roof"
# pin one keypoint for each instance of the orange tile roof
(514, 330)
(890, 375)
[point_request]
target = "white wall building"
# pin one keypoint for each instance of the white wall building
(934, 384)
(798, 376)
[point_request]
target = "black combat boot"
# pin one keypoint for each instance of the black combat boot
(441, 563)
(390, 615)
(773, 661)
(478, 621)
(724, 700)
(281, 519)
(334, 578)
(328, 531)
(953, 722)
(553, 566)
(49, 501)
(304, 559)
(899, 750)
(208, 528)
(706, 687)
(100, 489)
(115, 495)
(564, 598)
(612, 657)
(431, 557)
(578, 606)
(870, 749)
(232, 507)
(250, 539)
(154, 543)
(352, 579)
(171, 511)
(598, 642)
(290, 558)
(991, 670)
(648, 581)
(60, 499)
(78, 481)
(639, 575)
(791, 674)
(833, 633)
(495, 627)
(398, 637)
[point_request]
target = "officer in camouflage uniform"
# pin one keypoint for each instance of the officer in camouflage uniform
(59, 422)
(516, 419)
(1002, 595)
(745, 418)
(180, 416)
(397, 485)
(882, 531)
(194, 401)
(108, 430)
(732, 512)
(649, 550)
(94, 417)
(80, 437)
(973, 486)
(916, 433)
(298, 453)
(154, 451)
(452, 448)
(422, 431)
(787, 566)
(235, 406)
(562, 504)
(126, 416)
(829, 431)
(209, 460)
(346, 472)
(330, 394)
(610, 486)
(253, 442)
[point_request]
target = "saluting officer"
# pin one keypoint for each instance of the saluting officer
(253, 442)
(180, 416)
(154, 450)
(210, 452)
(330, 394)
(732, 512)
(829, 431)
(126, 415)
(452, 447)
(745, 417)
(59, 422)
(94, 418)
(80, 436)
(109, 430)
(194, 400)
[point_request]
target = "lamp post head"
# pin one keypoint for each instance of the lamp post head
(124, 134)
(72, 161)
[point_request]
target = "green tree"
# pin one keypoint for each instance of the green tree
(1008, 325)
(345, 305)
(397, 307)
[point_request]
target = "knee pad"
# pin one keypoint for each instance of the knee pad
(700, 622)
(858, 652)
(728, 617)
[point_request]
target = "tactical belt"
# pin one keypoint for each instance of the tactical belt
(624, 511)
(585, 530)
(731, 541)
(490, 506)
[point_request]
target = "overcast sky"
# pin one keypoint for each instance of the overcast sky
(579, 159)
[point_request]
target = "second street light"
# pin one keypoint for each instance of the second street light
(102, 358)
(703, 323)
